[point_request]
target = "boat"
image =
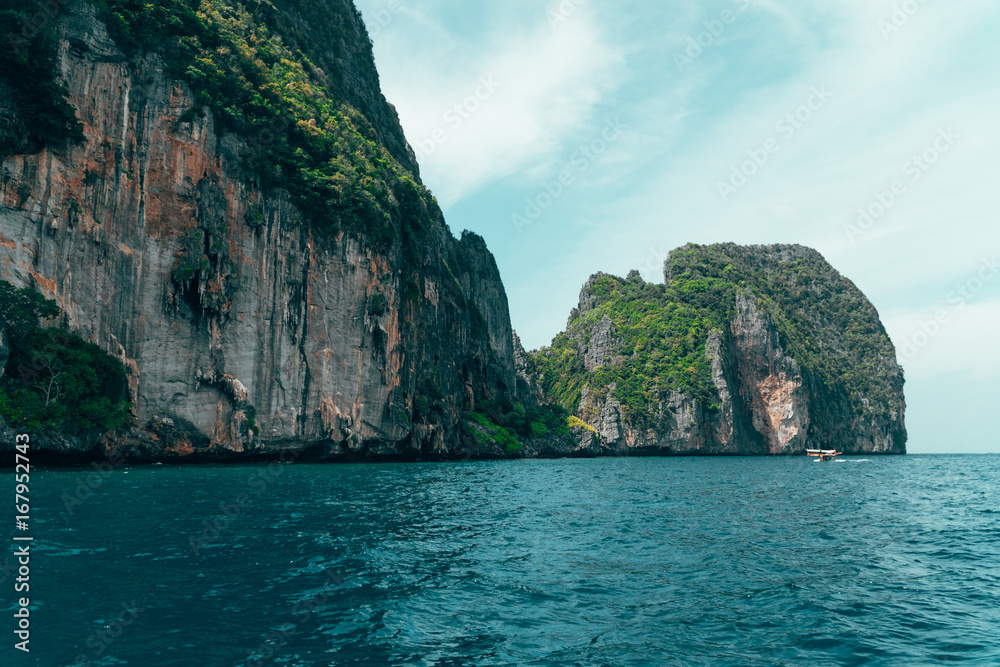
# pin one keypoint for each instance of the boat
(824, 454)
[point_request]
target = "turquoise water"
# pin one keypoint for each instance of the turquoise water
(676, 561)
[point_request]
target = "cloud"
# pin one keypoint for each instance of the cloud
(932, 342)
(890, 99)
(892, 95)
(894, 88)
(506, 101)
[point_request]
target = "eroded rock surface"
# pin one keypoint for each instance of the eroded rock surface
(244, 330)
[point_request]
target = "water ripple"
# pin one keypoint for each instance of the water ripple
(767, 561)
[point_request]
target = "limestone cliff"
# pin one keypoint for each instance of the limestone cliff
(220, 197)
(245, 329)
(744, 350)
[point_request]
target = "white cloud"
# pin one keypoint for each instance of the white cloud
(890, 99)
(932, 342)
(544, 83)
(656, 188)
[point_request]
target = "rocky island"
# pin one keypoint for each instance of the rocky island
(215, 245)
(743, 350)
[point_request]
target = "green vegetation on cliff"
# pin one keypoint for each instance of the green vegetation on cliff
(53, 378)
(301, 134)
(301, 137)
(660, 332)
(28, 49)
(504, 425)
(824, 321)
(661, 348)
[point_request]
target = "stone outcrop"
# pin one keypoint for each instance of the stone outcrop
(681, 425)
(242, 329)
(529, 391)
(245, 331)
(768, 402)
(772, 385)
(601, 345)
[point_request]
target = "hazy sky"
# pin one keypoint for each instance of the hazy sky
(591, 135)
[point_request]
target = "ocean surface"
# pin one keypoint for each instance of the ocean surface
(666, 561)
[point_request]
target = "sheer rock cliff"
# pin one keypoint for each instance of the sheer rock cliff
(841, 388)
(247, 329)
(243, 330)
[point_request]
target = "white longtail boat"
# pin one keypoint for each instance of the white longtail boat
(823, 454)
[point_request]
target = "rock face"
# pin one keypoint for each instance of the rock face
(4, 347)
(680, 424)
(601, 344)
(753, 395)
(529, 392)
(243, 330)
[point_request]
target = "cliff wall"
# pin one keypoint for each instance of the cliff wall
(290, 284)
(744, 350)
(245, 330)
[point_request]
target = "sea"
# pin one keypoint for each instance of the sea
(866, 560)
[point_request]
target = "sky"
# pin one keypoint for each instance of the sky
(579, 136)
